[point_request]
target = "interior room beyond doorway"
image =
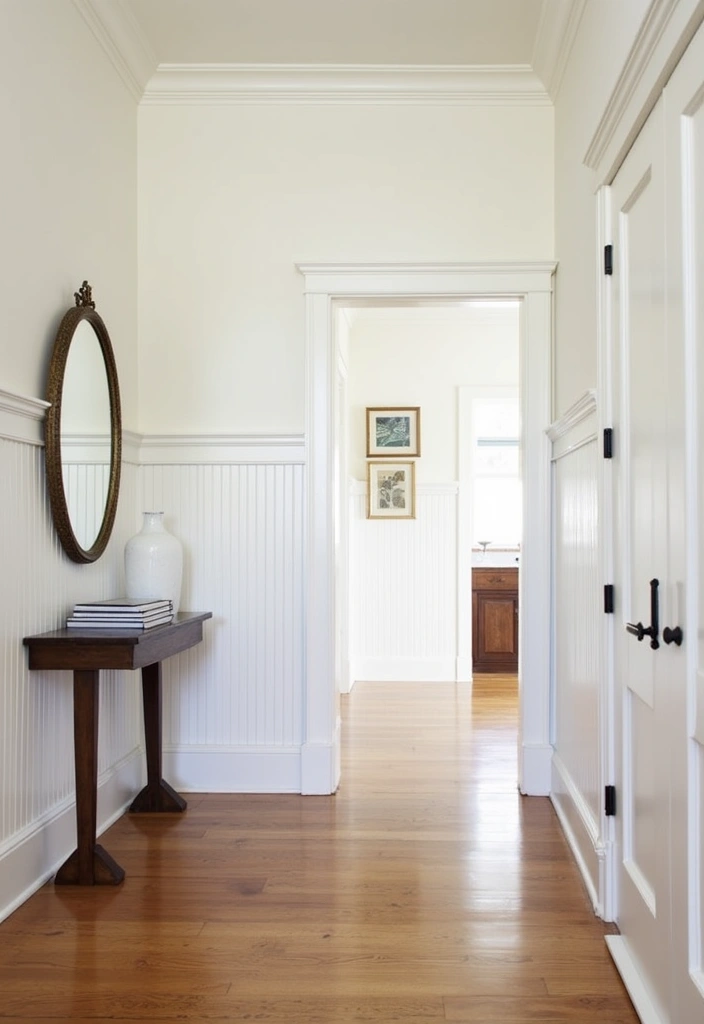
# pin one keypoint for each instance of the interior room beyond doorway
(410, 602)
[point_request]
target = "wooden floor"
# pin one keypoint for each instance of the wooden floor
(426, 890)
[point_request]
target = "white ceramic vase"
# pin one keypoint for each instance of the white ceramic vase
(154, 562)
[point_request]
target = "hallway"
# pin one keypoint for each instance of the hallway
(427, 890)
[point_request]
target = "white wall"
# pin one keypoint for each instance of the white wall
(232, 196)
(68, 211)
(420, 357)
(403, 587)
(605, 36)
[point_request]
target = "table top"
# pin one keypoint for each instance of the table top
(91, 649)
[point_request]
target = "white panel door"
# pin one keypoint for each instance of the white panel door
(640, 475)
(684, 121)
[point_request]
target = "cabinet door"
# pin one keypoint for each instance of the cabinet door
(495, 631)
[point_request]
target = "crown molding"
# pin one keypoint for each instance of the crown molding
(581, 410)
(666, 31)
(22, 418)
(557, 31)
(479, 85)
(117, 31)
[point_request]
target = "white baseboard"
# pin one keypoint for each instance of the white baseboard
(320, 766)
(405, 670)
(582, 832)
(630, 976)
(234, 769)
(37, 853)
(535, 770)
(348, 678)
(463, 670)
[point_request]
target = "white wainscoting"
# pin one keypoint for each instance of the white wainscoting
(233, 706)
(578, 615)
(403, 589)
(39, 586)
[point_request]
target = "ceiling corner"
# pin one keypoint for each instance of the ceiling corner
(557, 29)
(115, 28)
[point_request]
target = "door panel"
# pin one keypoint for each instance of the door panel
(640, 476)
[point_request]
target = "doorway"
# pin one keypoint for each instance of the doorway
(531, 285)
(451, 369)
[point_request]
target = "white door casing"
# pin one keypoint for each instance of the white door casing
(531, 283)
(684, 172)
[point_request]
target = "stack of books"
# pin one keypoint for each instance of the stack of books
(121, 613)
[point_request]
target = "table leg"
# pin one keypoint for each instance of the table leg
(157, 795)
(89, 864)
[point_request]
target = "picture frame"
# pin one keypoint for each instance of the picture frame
(391, 490)
(393, 432)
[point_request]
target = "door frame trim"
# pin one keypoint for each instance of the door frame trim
(532, 284)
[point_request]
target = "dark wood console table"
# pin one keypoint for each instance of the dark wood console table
(84, 652)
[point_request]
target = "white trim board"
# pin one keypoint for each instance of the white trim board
(184, 449)
(453, 85)
(22, 418)
(532, 284)
(116, 29)
(24, 863)
(557, 31)
(667, 29)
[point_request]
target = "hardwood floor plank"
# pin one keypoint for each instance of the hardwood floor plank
(427, 889)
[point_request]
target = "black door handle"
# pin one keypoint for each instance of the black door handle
(672, 636)
(638, 630)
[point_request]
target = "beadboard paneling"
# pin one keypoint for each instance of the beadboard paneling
(403, 600)
(578, 623)
(39, 587)
(240, 692)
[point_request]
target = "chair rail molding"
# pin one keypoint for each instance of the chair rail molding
(532, 284)
(22, 418)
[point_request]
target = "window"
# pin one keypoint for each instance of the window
(496, 492)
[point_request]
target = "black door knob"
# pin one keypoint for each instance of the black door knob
(672, 636)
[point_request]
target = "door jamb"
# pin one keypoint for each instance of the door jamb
(532, 283)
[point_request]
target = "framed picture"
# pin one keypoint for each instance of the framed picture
(393, 433)
(391, 490)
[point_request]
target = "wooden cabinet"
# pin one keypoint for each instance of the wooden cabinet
(495, 620)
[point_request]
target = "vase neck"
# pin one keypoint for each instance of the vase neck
(153, 521)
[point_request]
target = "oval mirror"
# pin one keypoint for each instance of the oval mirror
(83, 432)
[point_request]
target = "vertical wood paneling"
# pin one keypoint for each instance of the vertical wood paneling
(39, 587)
(404, 589)
(242, 531)
(578, 620)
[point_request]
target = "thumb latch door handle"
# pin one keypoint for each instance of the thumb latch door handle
(640, 631)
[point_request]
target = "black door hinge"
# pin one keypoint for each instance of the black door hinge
(608, 442)
(609, 801)
(609, 599)
(608, 259)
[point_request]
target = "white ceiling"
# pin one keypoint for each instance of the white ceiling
(435, 32)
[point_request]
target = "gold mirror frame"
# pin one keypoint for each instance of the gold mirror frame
(83, 310)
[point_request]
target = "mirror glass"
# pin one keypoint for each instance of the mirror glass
(83, 432)
(85, 435)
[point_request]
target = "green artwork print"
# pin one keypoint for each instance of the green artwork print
(393, 431)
